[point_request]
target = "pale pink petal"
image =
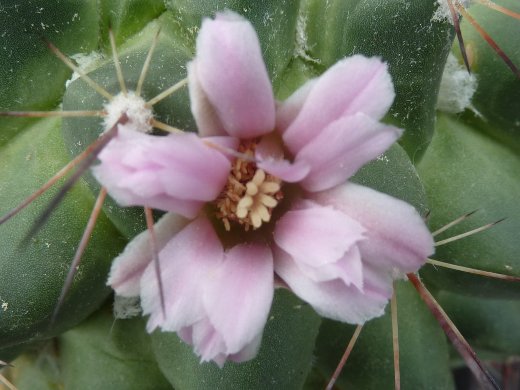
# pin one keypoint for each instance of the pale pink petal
(285, 170)
(289, 109)
(396, 234)
(220, 360)
(190, 169)
(354, 84)
(249, 351)
(208, 343)
(187, 261)
(377, 281)
(128, 267)
(232, 74)
(349, 269)
(238, 296)
(226, 145)
(176, 173)
(317, 235)
(208, 122)
(186, 334)
(342, 148)
(333, 299)
(270, 146)
(142, 183)
(113, 173)
(270, 156)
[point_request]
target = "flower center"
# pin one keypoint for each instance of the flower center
(250, 194)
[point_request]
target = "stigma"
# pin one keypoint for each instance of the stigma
(250, 194)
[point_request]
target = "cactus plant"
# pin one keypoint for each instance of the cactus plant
(446, 165)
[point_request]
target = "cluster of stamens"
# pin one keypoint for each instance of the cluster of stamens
(250, 194)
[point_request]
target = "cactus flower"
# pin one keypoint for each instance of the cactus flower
(261, 198)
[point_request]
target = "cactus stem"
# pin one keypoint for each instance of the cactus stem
(395, 340)
(117, 63)
(47, 114)
(473, 271)
(164, 94)
(467, 234)
(499, 8)
(456, 338)
(85, 238)
(6, 382)
(155, 254)
(83, 166)
(95, 86)
(344, 358)
(146, 64)
(454, 222)
(489, 40)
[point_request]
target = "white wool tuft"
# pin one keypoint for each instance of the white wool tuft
(443, 11)
(139, 115)
(457, 87)
(85, 62)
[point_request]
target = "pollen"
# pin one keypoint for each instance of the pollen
(250, 194)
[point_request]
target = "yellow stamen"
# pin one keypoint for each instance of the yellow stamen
(267, 200)
(250, 194)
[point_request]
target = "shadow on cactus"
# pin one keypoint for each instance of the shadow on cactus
(243, 191)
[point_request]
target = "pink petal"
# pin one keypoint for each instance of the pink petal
(332, 299)
(396, 234)
(176, 173)
(186, 334)
(238, 297)
(226, 145)
(128, 267)
(285, 170)
(110, 174)
(377, 281)
(270, 156)
(208, 343)
(349, 269)
(190, 169)
(232, 74)
(208, 122)
(317, 235)
(187, 262)
(342, 148)
(248, 352)
(355, 84)
(289, 109)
